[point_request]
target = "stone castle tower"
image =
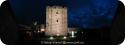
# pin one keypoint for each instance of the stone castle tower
(56, 21)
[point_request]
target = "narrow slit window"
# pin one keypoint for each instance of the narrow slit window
(56, 20)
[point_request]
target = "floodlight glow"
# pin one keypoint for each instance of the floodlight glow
(57, 34)
(51, 38)
(82, 32)
(64, 37)
(38, 31)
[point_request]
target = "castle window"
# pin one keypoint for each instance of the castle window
(56, 20)
(57, 13)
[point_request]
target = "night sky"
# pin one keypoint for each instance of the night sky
(81, 13)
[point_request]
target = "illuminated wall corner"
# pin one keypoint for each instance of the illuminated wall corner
(56, 21)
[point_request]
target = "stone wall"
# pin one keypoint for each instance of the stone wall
(56, 20)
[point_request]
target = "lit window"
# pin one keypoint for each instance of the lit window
(42, 30)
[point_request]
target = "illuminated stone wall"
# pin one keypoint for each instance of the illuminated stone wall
(56, 21)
